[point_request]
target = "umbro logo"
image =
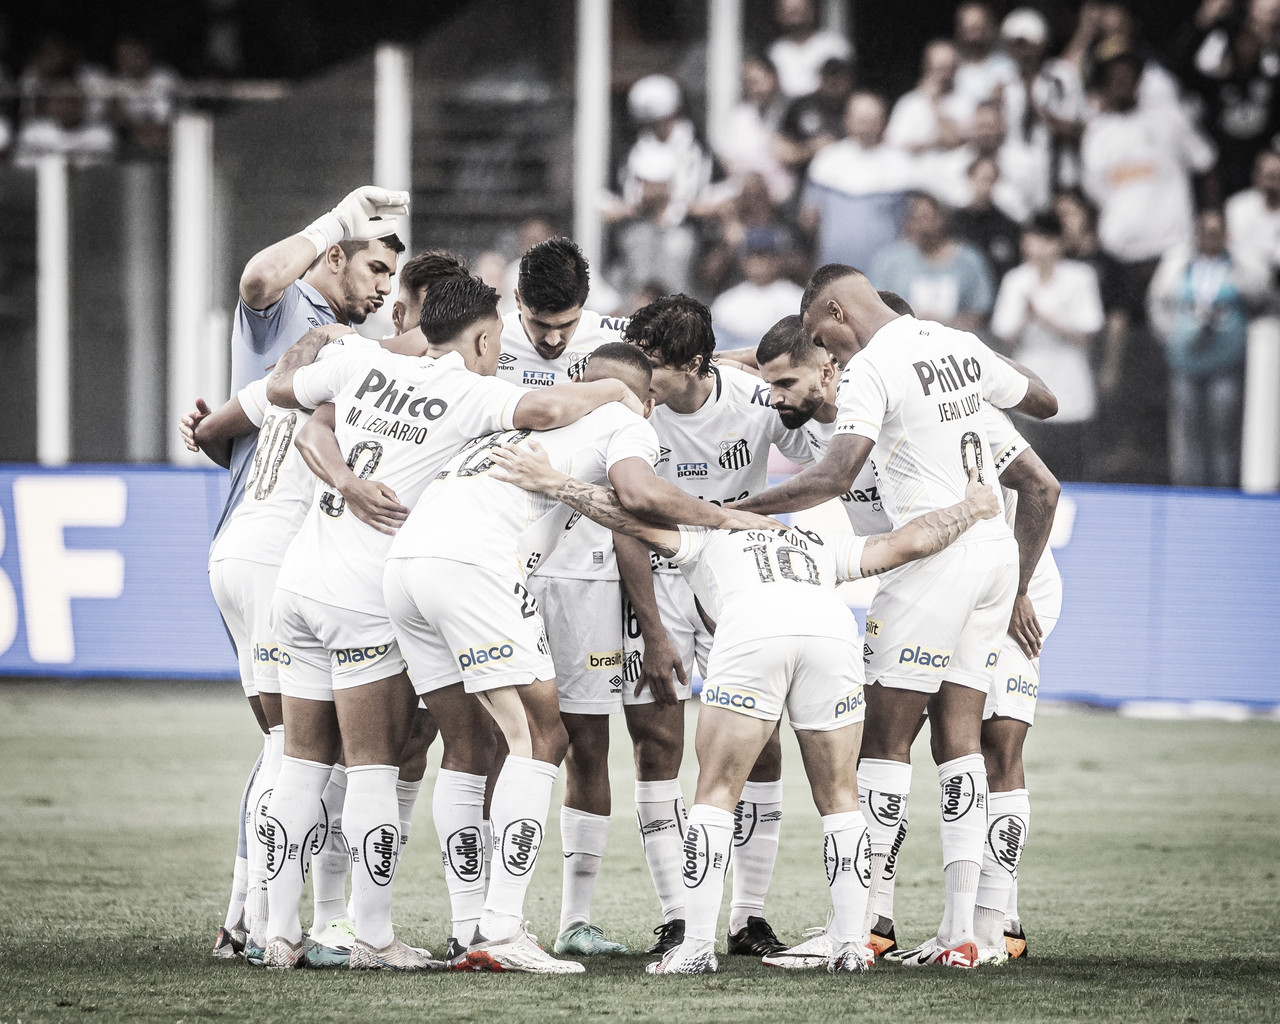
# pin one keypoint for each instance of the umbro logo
(664, 454)
(506, 359)
(657, 825)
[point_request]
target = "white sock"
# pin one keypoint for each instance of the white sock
(519, 809)
(964, 830)
(757, 820)
(660, 813)
(407, 798)
(457, 805)
(847, 853)
(883, 905)
(372, 823)
(708, 840)
(486, 834)
(256, 915)
(240, 872)
(1013, 923)
(583, 837)
(331, 860)
(291, 820)
(883, 788)
(1009, 821)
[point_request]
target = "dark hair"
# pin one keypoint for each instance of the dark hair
(1046, 224)
(427, 269)
(896, 303)
(1076, 196)
(787, 338)
(677, 328)
(351, 247)
(453, 305)
(553, 276)
(822, 277)
(635, 367)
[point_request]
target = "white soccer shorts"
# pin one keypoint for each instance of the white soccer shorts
(943, 618)
(243, 591)
(689, 634)
(461, 623)
(817, 678)
(1016, 685)
(584, 626)
(324, 648)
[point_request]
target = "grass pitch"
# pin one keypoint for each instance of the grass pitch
(1149, 888)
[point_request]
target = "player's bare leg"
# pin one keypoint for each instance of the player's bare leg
(497, 760)
(1009, 821)
(413, 766)
(757, 823)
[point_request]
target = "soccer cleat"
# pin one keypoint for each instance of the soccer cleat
(281, 954)
(520, 953)
(1016, 944)
(812, 953)
(992, 956)
(932, 953)
(675, 962)
(851, 958)
(253, 953)
(882, 943)
(587, 940)
(669, 935)
(229, 944)
(395, 956)
(331, 946)
(455, 956)
(755, 939)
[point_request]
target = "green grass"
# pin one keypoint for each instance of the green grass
(1149, 889)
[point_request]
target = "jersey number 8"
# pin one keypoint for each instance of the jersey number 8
(334, 504)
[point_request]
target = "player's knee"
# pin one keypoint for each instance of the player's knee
(549, 740)
(588, 740)
(1004, 767)
(471, 751)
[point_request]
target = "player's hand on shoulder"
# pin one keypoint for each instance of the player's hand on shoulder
(188, 424)
(981, 497)
(630, 400)
(736, 519)
(1025, 628)
(525, 466)
(376, 505)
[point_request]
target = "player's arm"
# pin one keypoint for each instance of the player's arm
(303, 352)
(1038, 491)
(829, 478)
(370, 501)
(562, 404)
(660, 659)
(214, 432)
(1039, 401)
(364, 214)
(930, 533)
(646, 495)
(742, 357)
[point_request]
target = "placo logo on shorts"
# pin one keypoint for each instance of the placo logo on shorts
(604, 659)
(1022, 687)
(474, 657)
(688, 469)
(360, 655)
(925, 658)
(726, 698)
(850, 704)
(538, 378)
(263, 654)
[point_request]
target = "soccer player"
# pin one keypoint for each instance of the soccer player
(782, 637)
(546, 340)
(336, 270)
(397, 420)
(715, 428)
(456, 588)
(912, 402)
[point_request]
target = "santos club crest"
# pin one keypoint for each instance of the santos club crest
(734, 454)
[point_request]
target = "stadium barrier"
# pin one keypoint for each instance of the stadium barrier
(1171, 594)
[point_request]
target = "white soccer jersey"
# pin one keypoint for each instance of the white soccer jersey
(762, 583)
(862, 502)
(468, 516)
(399, 418)
(721, 452)
(917, 391)
(587, 553)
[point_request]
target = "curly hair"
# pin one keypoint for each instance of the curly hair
(675, 328)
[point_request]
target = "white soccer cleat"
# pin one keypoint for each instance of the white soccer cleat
(396, 956)
(933, 953)
(281, 954)
(993, 956)
(851, 958)
(812, 953)
(520, 953)
(331, 946)
(677, 962)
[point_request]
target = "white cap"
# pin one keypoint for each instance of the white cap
(1027, 24)
(652, 161)
(652, 98)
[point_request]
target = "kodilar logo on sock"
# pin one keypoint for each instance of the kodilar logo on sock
(520, 844)
(695, 856)
(831, 857)
(957, 796)
(320, 834)
(744, 822)
(273, 836)
(862, 859)
(1006, 836)
(886, 808)
(381, 847)
(464, 851)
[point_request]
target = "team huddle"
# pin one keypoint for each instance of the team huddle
(504, 530)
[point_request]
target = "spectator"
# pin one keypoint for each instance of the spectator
(816, 120)
(53, 64)
(856, 188)
(983, 224)
(943, 279)
(751, 213)
(984, 71)
(1103, 32)
(1048, 311)
(1044, 107)
(802, 48)
(655, 245)
(742, 314)
(1200, 300)
(1253, 216)
(62, 127)
(143, 98)
(933, 115)
(946, 174)
(749, 137)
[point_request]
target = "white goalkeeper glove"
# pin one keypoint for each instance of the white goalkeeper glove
(366, 213)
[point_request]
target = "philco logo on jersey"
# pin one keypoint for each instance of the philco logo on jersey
(925, 658)
(538, 378)
(474, 657)
(381, 845)
(359, 655)
(520, 843)
(848, 705)
(948, 373)
(604, 659)
(396, 403)
(464, 854)
(1024, 687)
(688, 469)
(734, 454)
(726, 698)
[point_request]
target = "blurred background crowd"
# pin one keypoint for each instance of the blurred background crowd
(1101, 205)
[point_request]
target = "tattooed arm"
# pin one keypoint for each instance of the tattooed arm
(301, 353)
(930, 533)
